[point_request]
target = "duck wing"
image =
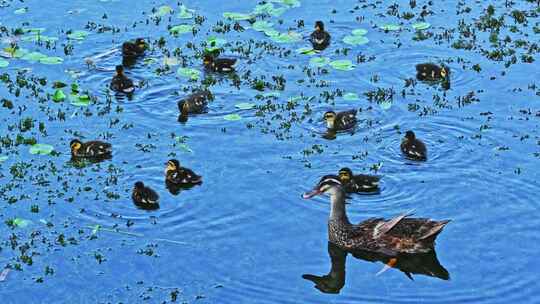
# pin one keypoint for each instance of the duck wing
(346, 120)
(388, 225)
(97, 149)
(363, 183)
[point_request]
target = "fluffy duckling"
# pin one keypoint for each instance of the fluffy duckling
(320, 39)
(413, 148)
(433, 72)
(135, 48)
(144, 197)
(360, 183)
(92, 149)
(195, 103)
(340, 121)
(180, 176)
(219, 64)
(120, 82)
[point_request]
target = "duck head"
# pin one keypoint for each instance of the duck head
(184, 111)
(75, 145)
(119, 70)
(445, 72)
(345, 175)
(172, 165)
(329, 184)
(141, 43)
(319, 26)
(409, 135)
(330, 118)
(208, 60)
(138, 186)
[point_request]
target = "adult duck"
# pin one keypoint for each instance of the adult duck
(390, 237)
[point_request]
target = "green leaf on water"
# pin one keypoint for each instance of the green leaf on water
(350, 96)
(236, 16)
(290, 3)
(163, 10)
(79, 100)
(41, 149)
(185, 13)
(3, 158)
(59, 95)
(271, 33)
(355, 40)
(95, 229)
(288, 37)
(390, 27)
(34, 56)
(386, 104)
(342, 65)
(78, 35)
(189, 73)
(232, 117)
(51, 60)
(21, 223)
(245, 105)
(181, 29)
(215, 42)
(21, 11)
(421, 26)
(262, 25)
(185, 147)
(359, 32)
(306, 51)
(269, 9)
(3, 63)
(148, 61)
(319, 61)
(271, 94)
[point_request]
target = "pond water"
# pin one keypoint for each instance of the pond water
(72, 233)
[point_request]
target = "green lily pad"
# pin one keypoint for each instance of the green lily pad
(3, 158)
(390, 27)
(386, 104)
(37, 37)
(78, 35)
(15, 52)
(421, 26)
(290, 3)
(170, 61)
(149, 61)
(342, 65)
(185, 147)
(21, 11)
(355, 40)
(181, 29)
(271, 33)
(262, 25)
(288, 37)
(271, 94)
(59, 95)
(3, 63)
(37, 30)
(79, 100)
(236, 16)
(189, 73)
(21, 223)
(359, 32)
(215, 42)
(319, 61)
(306, 51)
(163, 10)
(34, 56)
(350, 96)
(269, 9)
(245, 105)
(51, 60)
(41, 149)
(232, 117)
(185, 13)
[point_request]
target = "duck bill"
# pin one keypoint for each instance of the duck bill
(311, 194)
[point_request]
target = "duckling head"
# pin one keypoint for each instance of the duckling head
(75, 145)
(138, 186)
(119, 70)
(319, 26)
(410, 135)
(445, 72)
(184, 111)
(172, 165)
(208, 59)
(140, 42)
(345, 175)
(330, 118)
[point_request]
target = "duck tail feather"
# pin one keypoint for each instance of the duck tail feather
(432, 233)
(393, 222)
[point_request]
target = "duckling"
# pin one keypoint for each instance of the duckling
(195, 103)
(219, 64)
(180, 176)
(144, 197)
(433, 72)
(320, 39)
(120, 82)
(360, 183)
(134, 48)
(413, 148)
(340, 121)
(92, 149)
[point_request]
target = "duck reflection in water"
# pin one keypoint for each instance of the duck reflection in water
(416, 263)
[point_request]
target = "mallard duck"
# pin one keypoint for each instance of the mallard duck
(219, 64)
(144, 197)
(340, 121)
(390, 237)
(180, 176)
(91, 149)
(434, 73)
(120, 82)
(361, 183)
(412, 147)
(195, 103)
(131, 49)
(320, 39)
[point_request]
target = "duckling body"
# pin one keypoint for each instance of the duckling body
(340, 121)
(91, 149)
(181, 176)
(133, 49)
(360, 183)
(433, 73)
(219, 64)
(195, 103)
(389, 237)
(120, 82)
(320, 39)
(413, 148)
(144, 197)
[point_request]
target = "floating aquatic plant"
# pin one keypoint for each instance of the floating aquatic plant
(41, 149)
(163, 10)
(21, 11)
(189, 73)
(342, 65)
(232, 117)
(181, 29)
(390, 27)
(237, 16)
(34, 56)
(3, 63)
(245, 105)
(306, 51)
(78, 35)
(290, 3)
(319, 61)
(269, 9)
(262, 26)
(421, 25)
(350, 96)
(288, 37)
(355, 40)
(38, 37)
(59, 95)
(386, 104)
(359, 32)
(51, 60)
(19, 222)
(185, 13)
(3, 158)
(79, 100)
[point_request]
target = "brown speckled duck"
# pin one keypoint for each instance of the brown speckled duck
(94, 149)
(359, 183)
(390, 237)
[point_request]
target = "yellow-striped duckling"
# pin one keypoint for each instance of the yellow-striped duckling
(144, 197)
(135, 48)
(434, 73)
(196, 103)
(120, 82)
(340, 121)
(360, 183)
(181, 176)
(218, 64)
(413, 148)
(320, 39)
(91, 149)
